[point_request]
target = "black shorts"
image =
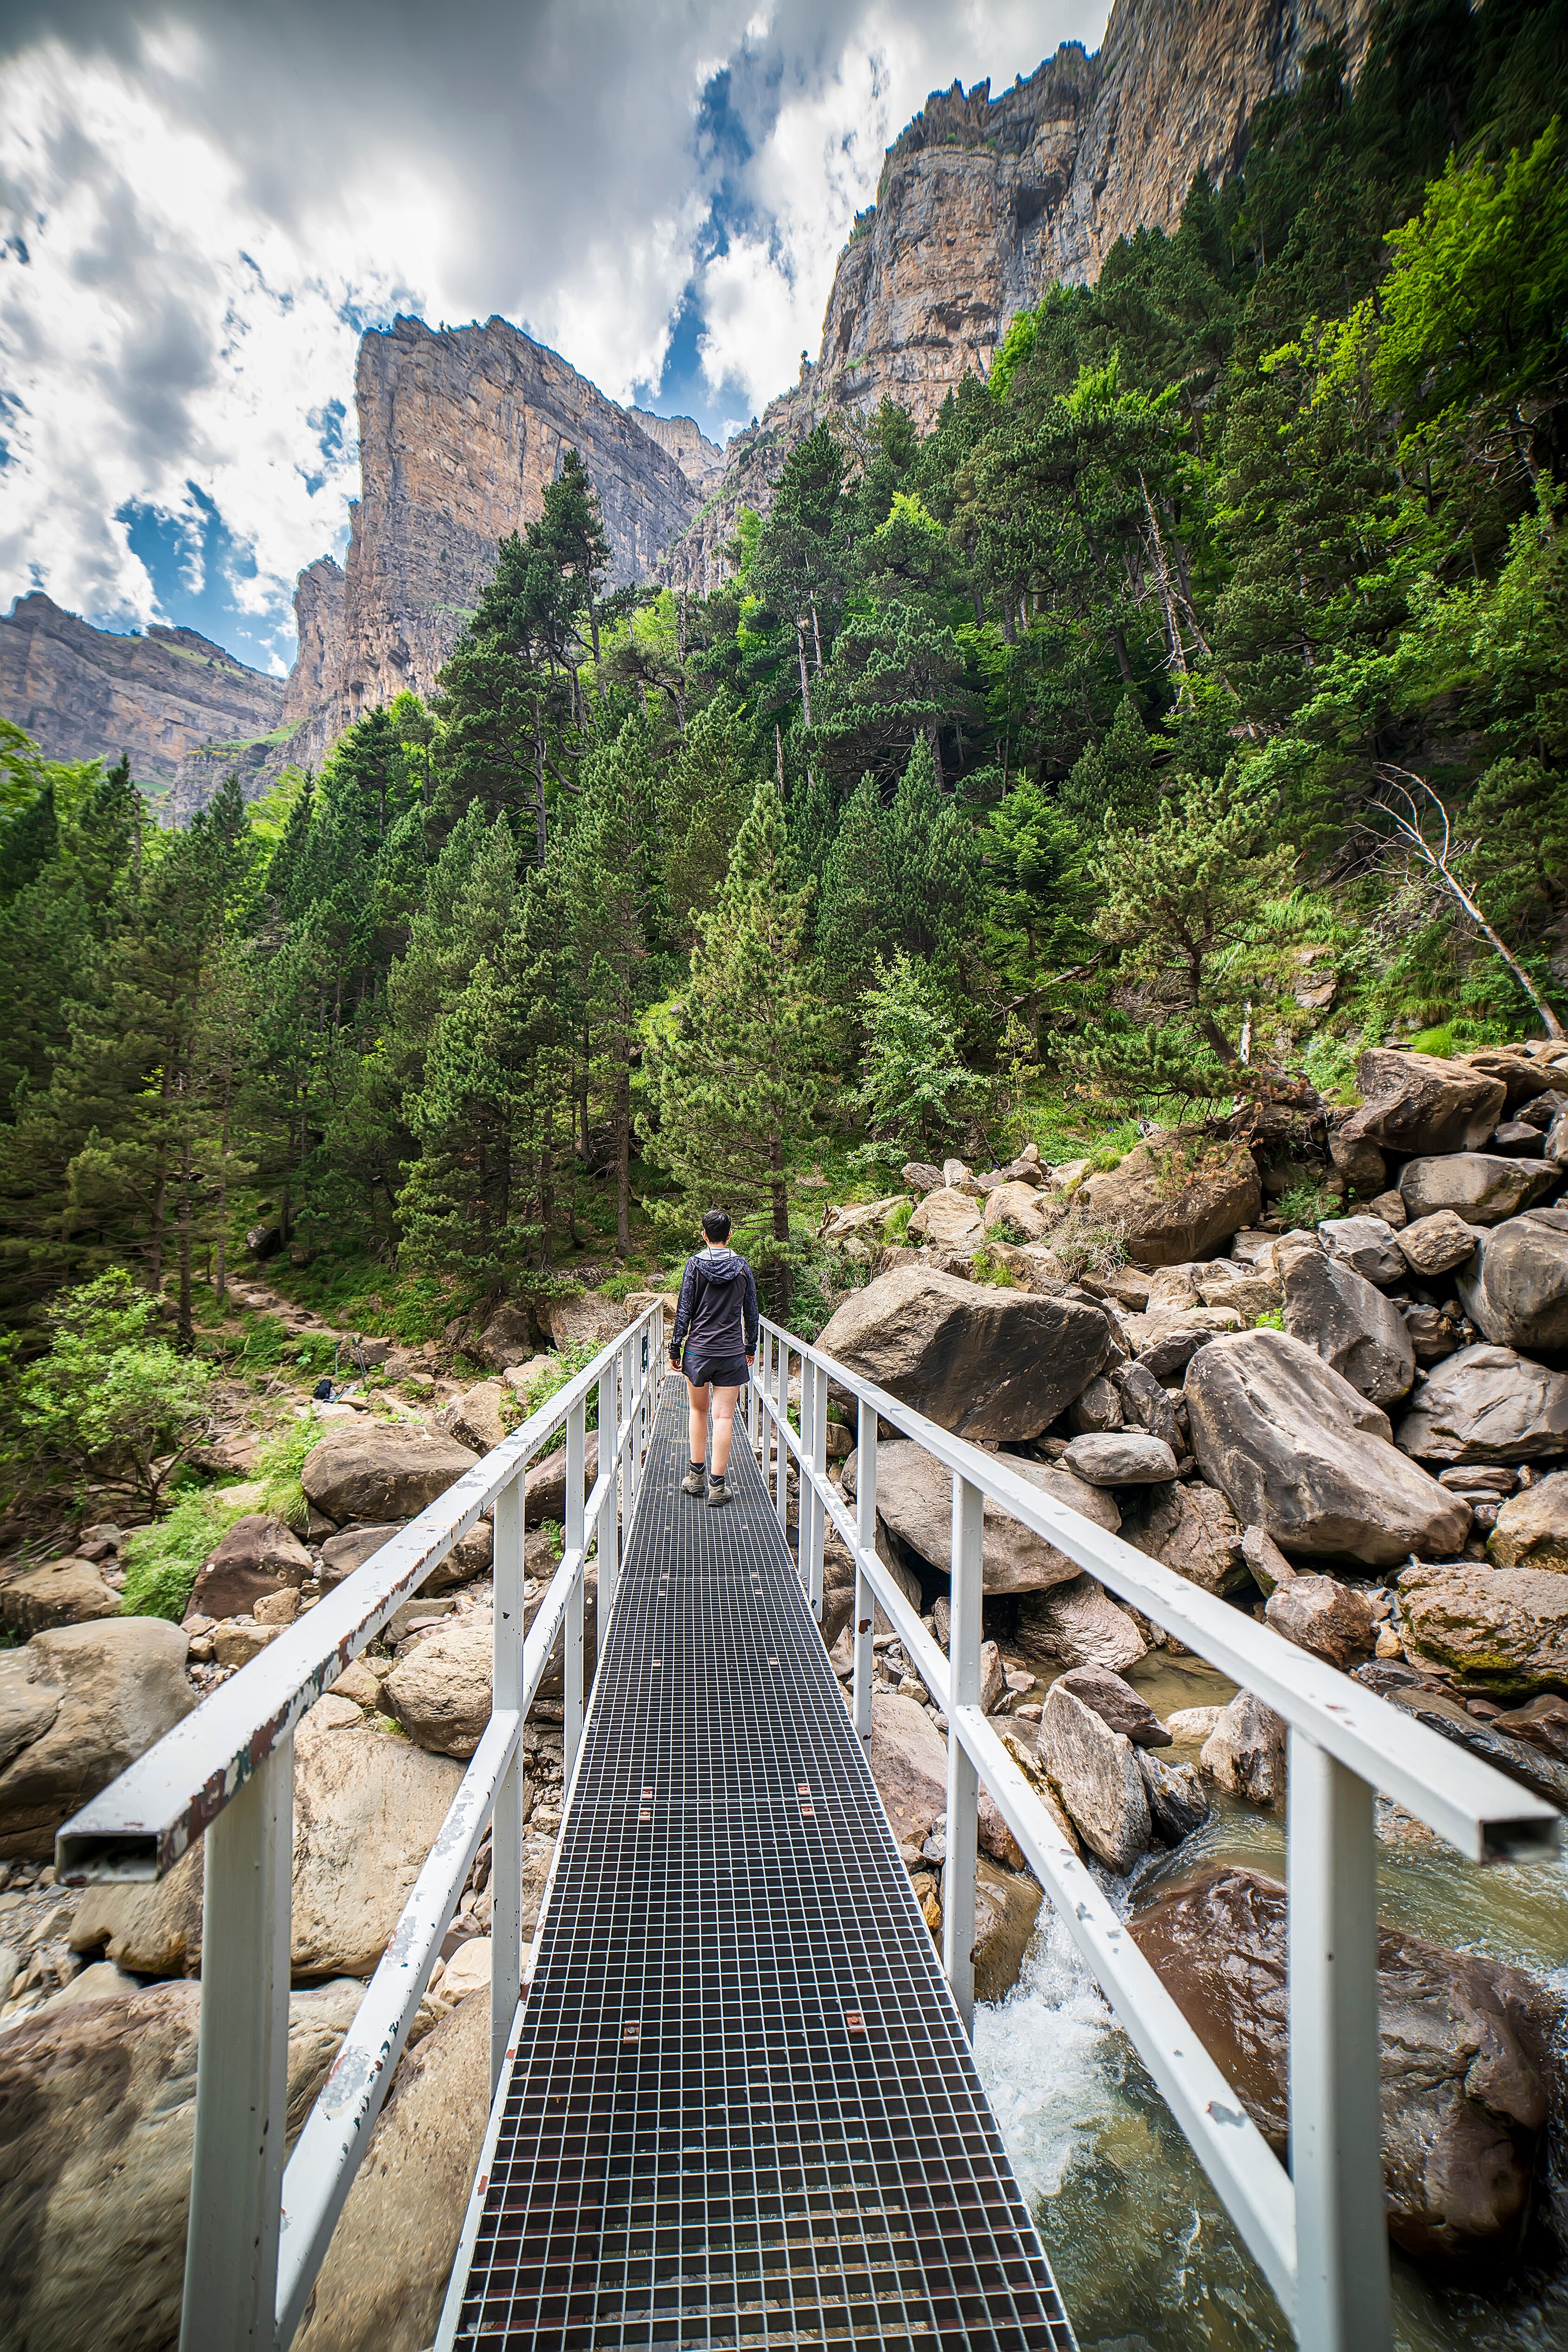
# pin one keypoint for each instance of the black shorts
(724, 1372)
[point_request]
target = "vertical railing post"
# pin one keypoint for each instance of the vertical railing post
(572, 1639)
(780, 1460)
(963, 1782)
(242, 2088)
(1336, 2138)
(623, 1464)
(506, 1821)
(807, 1492)
(818, 1376)
(866, 1530)
(607, 1534)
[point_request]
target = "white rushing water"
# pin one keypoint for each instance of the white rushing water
(1145, 2257)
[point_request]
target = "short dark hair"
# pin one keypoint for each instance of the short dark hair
(716, 1224)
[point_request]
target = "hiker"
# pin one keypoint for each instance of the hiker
(714, 1343)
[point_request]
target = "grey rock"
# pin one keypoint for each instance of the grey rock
(95, 2162)
(1532, 1528)
(1295, 1449)
(1098, 1409)
(61, 1592)
(1532, 1763)
(986, 1363)
(1555, 1149)
(1464, 2059)
(1268, 1567)
(1487, 1404)
(1435, 1245)
(1434, 1333)
(258, 1556)
(1244, 1752)
(1420, 1103)
(379, 1472)
(1366, 1244)
(1330, 1620)
(1118, 1703)
(1519, 1139)
(545, 1497)
(1174, 1200)
(914, 1502)
(78, 1705)
(1505, 1629)
(1515, 1288)
(1007, 1904)
(1191, 1529)
(1351, 1325)
(1482, 1187)
(921, 1177)
(1360, 1162)
(1095, 1772)
(507, 1337)
(1178, 1802)
(1121, 1458)
(908, 1759)
(1079, 1625)
(1146, 1405)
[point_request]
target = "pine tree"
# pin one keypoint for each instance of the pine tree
(739, 1075)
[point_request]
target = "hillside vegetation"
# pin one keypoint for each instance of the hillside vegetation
(1187, 709)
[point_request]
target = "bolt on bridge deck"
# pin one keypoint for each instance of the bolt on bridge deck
(742, 2109)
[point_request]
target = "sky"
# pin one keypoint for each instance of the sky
(203, 204)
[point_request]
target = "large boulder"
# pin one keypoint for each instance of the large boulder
(986, 1363)
(1245, 1751)
(1094, 1771)
(1318, 1613)
(78, 1705)
(368, 1807)
(507, 1337)
(914, 1502)
(1177, 1199)
(378, 1471)
(1296, 1450)
(1023, 1207)
(838, 1224)
(1481, 1187)
(387, 2269)
(586, 1317)
(1007, 1904)
(1116, 1703)
(259, 1555)
(1419, 1103)
(1121, 1458)
(1487, 1404)
(61, 1592)
(1464, 2057)
(1506, 1628)
(1079, 1625)
(439, 1691)
(908, 1757)
(1434, 1245)
(1532, 1528)
(1178, 1802)
(1351, 1325)
(1515, 1288)
(479, 1418)
(1192, 1530)
(948, 1217)
(1167, 1338)
(1365, 1244)
(99, 2109)
(352, 1545)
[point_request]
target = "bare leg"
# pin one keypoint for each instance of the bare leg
(724, 1402)
(697, 1421)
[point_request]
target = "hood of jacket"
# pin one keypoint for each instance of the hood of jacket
(720, 1265)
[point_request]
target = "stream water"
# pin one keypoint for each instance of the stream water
(1145, 2256)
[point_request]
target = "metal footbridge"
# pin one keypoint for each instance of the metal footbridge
(733, 2099)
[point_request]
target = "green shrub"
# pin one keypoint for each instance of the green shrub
(1303, 1204)
(1273, 1321)
(282, 1459)
(983, 1267)
(111, 1402)
(897, 1224)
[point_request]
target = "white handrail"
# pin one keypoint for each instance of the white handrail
(1317, 2232)
(256, 2233)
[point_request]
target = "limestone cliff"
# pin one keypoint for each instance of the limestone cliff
(984, 202)
(185, 711)
(311, 696)
(461, 431)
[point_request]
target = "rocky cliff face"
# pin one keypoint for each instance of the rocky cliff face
(460, 434)
(315, 682)
(984, 202)
(185, 711)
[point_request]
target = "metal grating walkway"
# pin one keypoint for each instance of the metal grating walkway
(743, 2110)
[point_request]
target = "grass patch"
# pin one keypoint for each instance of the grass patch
(983, 1267)
(1273, 1321)
(162, 1562)
(1303, 1204)
(281, 1460)
(897, 1224)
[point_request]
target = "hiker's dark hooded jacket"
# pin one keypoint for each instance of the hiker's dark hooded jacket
(717, 1315)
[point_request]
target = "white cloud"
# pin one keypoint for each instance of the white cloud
(214, 200)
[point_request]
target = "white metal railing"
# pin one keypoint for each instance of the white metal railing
(1317, 2230)
(257, 2231)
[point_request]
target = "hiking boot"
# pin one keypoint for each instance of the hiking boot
(692, 1482)
(718, 1492)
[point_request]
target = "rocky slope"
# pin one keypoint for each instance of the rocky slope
(984, 202)
(185, 711)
